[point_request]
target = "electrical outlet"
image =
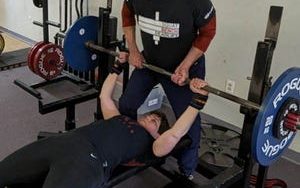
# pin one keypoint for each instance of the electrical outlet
(230, 86)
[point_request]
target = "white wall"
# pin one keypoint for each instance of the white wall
(240, 25)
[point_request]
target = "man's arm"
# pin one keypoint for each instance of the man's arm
(201, 43)
(128, 21)
(206, 34)
(167, 141)
(205, 20)
(135, 57)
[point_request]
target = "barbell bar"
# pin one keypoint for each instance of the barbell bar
(210, 89)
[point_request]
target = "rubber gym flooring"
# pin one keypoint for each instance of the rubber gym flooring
(14, 52)
(21, 122)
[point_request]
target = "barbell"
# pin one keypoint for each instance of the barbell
(272, 132)
(246, 103)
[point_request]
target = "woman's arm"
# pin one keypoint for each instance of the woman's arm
(108, 107)
(167, 141)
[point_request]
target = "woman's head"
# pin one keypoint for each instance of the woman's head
(154, 122)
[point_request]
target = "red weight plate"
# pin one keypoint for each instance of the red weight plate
(31, 54)
(49, 61)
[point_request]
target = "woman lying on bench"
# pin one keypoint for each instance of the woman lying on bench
(85, 157)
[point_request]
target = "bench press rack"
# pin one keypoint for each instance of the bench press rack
(50, 102)
(83, 84)
(236, 176)
(259, 86)
(240, 173)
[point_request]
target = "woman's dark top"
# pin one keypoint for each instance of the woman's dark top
(118, 140)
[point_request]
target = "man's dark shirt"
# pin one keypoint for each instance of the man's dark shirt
(169, 27)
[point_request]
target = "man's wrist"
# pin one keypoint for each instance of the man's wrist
(186, 65)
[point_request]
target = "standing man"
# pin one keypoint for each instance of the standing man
(175, 34)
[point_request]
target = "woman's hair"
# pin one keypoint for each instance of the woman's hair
(164, 124)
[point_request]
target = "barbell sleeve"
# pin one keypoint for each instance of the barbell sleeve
(208, 88)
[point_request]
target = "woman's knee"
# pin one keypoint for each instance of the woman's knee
(127, 108)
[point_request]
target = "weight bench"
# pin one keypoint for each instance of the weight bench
(225, 178)
(124, 171)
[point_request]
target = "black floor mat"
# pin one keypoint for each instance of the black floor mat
(13, 59)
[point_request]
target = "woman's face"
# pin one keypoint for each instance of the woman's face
(151, 123)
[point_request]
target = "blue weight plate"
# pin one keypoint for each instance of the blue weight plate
(77, 55)
(266, 148)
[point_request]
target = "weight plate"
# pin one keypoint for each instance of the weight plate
(266, 147)
(49, 61)
(77, 55)
(290, 105)
(218, 145)
(32, 53)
